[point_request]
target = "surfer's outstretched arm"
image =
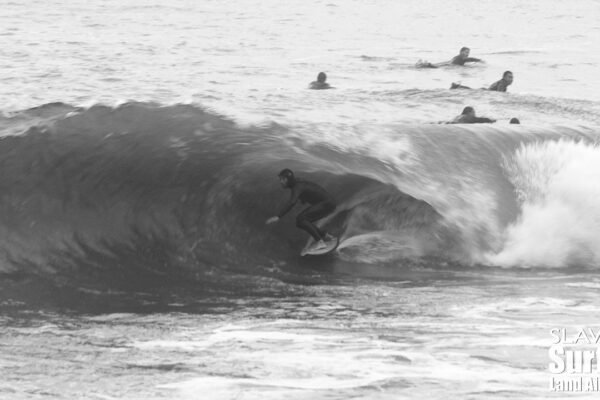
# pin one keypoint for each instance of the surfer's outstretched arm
(289, 205)
(463, 57)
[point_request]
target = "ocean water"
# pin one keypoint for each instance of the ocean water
(139, 147)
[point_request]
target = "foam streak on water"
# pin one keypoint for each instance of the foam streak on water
(372, 341)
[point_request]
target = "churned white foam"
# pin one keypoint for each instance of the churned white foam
(379, 246)
(558, 186)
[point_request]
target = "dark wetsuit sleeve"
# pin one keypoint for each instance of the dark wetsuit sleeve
(290, 204)
(472, 59)
(494, 86)
(479, 120)
(457, 61)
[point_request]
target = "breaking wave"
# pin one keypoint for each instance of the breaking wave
(180, 190)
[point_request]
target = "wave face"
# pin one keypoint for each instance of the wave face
(179, 190)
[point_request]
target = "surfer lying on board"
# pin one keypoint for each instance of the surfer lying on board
(502, 84)
(460, 59)
(463, 57)
(499, 86)
(321, 205)
(468, 117)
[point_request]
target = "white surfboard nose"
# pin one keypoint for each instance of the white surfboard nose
(330, 245)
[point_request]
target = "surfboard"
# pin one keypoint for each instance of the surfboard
(308, 250)
(424, 64)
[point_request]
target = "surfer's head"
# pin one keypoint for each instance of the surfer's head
(287, 178)
(515, 121)
(468, 111)
(507, 76)
(464, 52)
(321, 77)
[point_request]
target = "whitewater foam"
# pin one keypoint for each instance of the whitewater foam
(558, 186)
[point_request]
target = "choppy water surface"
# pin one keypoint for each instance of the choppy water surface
(484, 339)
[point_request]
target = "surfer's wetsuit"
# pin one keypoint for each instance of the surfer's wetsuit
(502, 84)
(470, 119)
(321, 205)
(316, 85)
(459, 60)
(499, 86)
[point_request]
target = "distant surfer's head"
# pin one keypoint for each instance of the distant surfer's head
(508, 77)
(464, 52)
(287, 178)
(321, 77)
(515, 121)
(468, 111)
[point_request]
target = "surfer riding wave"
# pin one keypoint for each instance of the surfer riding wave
(321, 205)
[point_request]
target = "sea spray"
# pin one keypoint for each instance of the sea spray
(558, 186)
